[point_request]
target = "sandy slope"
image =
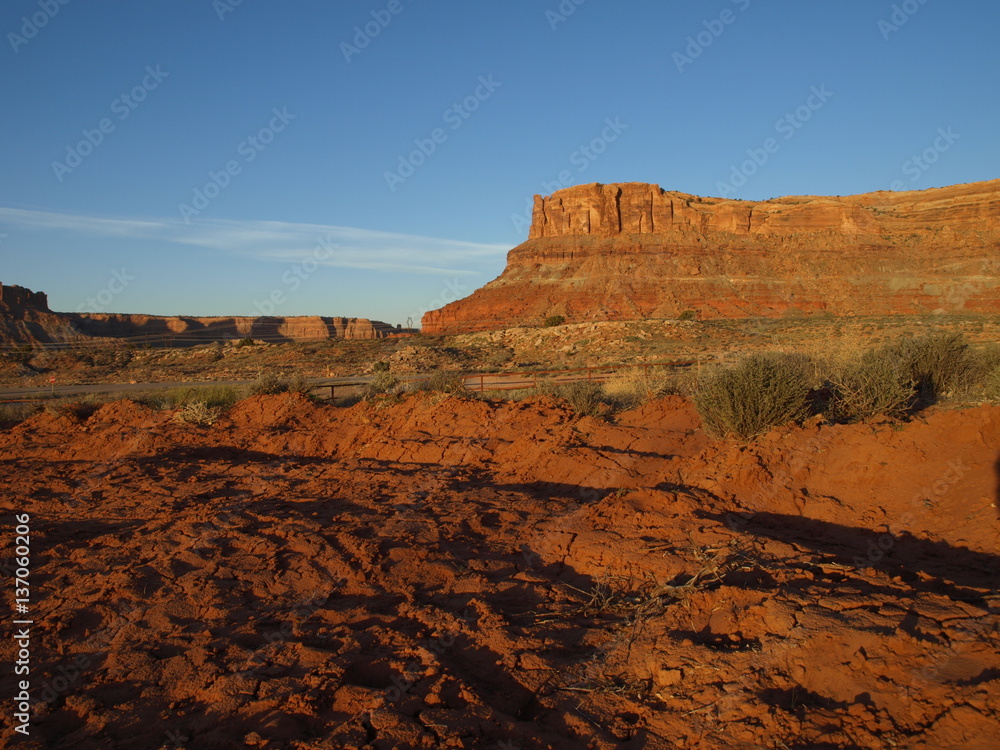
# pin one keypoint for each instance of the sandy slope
(444, 573)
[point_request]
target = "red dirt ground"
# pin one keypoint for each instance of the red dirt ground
(450, 573)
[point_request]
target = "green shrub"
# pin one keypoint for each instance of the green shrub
(383, 383)
(554, 320)
(447, 381)
(298, 383)
(12, 414)
(937, 363)
(982, 373)
(991, 385)
(380, 366)
(499, 358)
(584, 396)
(762, 391)
(442, 381)
(687, 315)
(267, 384)
(216, 396)
(248, 341)
(879, 383)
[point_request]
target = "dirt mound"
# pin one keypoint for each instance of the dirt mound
(435, 572)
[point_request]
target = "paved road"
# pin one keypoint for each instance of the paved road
(473, 382)
(45, 391)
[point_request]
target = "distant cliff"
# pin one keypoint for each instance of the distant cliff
(181, 330)
(634, 250)
(25, 318)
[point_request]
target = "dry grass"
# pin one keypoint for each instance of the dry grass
(639, 385)
(197, 412)
(11, 414)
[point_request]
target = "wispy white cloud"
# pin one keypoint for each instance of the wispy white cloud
(331, 245)
(76, 223)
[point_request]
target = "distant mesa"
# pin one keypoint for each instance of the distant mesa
(634, 250)
(25, 318)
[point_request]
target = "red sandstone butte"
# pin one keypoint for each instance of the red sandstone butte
(631, 251)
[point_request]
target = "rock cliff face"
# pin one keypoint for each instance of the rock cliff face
(183, 330)
(25, 318)
(630, 251)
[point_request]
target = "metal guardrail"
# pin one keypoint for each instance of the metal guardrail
(510, 381)
(595, 373)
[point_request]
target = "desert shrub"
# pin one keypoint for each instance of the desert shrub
(938, 362)
(991, 385)
(584, 396)
(383, 383)
(447, 381)
(878, 383)
(215, 396)
(219, 396)
(196, 412)
(103, 355)
(442, 381)
(12, 414)
(984, 361)
(982, 373)
(499, 358)
(248, 341)
(267, 384)
(298, 383)
(380, 366)
(760, 392)
(687, 315)
(554, 320)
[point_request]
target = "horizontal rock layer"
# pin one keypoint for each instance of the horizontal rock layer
(26, 319)
(183, 329)
(632, 251)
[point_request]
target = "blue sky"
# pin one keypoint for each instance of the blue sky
(347, 172)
